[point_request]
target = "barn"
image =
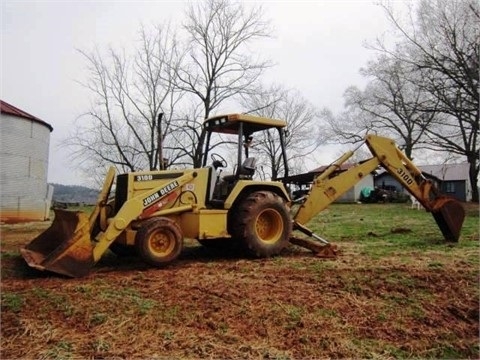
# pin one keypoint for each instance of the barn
(24, 149)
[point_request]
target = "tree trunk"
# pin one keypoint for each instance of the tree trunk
(473, 177)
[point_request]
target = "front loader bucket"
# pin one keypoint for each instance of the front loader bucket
(64, 248)
(449, 215)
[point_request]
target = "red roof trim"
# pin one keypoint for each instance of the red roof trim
(6, 108)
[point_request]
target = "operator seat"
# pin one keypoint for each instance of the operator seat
(246, 171)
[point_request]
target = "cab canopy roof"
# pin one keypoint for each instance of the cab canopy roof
(230, 123)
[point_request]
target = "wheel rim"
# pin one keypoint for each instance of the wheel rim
(269, 226)
(161, 243)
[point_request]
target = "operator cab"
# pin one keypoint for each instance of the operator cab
(242, 132)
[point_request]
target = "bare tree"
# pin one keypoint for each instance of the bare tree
(132, 109)
(301, 137)
(393, 103)
(424, 89)
(217, 63)
(347, 127)
(151, 104)
(441, 42)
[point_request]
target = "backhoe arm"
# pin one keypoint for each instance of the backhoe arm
(448, 212)
(326, 190)
(401, 168)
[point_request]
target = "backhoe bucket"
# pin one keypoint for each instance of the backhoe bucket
(326, 251)
(64, 248)
(449, 215)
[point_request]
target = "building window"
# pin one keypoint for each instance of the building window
(449, 187)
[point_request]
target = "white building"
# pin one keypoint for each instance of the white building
(24, 148)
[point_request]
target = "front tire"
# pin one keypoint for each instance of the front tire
(159, 241)
(262, 224)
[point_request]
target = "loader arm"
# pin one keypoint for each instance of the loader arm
(138, 207)
(447, 212)
(67, 247)
(102, 199)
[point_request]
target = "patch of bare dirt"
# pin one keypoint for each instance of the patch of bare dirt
(217, 305)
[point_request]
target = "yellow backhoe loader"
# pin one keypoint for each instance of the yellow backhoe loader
(152, 211)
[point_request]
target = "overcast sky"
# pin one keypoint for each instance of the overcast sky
(318, 46)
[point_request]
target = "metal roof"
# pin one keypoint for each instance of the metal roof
(229, 123)
(444, 172)
(449, 172)
(6, 108)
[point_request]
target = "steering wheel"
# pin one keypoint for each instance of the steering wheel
(218, 160)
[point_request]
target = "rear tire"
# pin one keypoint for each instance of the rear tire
(159, 241)
(262, 224)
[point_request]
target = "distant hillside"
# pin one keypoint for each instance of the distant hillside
(74, 194)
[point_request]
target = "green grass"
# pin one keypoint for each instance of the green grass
(12, 301)
(390, 229)
(60, 350)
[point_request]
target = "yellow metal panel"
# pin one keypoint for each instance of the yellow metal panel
(149, 179)
(275, 186)
(212, 224)
(192, 192)
(257, 120)
(189, 223)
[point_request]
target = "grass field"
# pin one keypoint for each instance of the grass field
(396, 290)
